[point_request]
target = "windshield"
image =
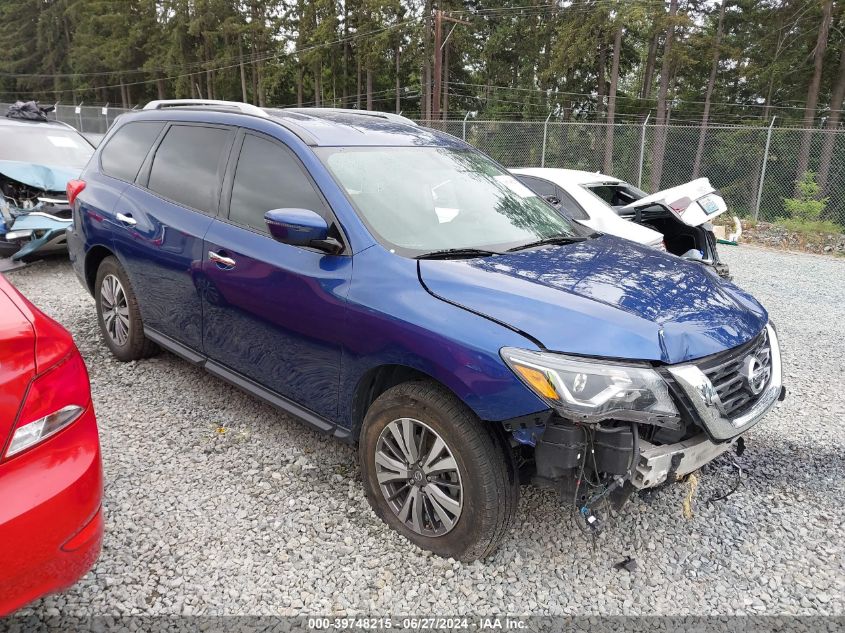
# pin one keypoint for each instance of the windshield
(422, 199)
(44, 145)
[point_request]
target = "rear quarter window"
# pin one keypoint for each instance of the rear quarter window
(126, 150)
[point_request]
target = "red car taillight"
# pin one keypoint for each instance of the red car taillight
(74, 188)
(53, 400)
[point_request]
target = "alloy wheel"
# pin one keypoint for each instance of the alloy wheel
(114, 309)
(419, 477)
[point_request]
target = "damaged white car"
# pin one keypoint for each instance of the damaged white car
(675, 219)
(37, 159)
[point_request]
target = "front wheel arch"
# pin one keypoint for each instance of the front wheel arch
(379, 379)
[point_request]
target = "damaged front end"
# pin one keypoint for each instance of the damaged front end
(34, 212)
(618, 428)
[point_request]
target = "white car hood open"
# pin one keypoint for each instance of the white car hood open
(695, 202)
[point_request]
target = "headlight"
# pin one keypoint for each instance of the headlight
(593, 390)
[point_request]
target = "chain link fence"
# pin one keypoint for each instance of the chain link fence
(92, 121)
(755, 168)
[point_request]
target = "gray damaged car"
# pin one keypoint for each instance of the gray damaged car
(37, 159)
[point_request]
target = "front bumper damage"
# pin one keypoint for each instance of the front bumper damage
(36, 229)
(34, 213)
(720, 398)
(657, 464)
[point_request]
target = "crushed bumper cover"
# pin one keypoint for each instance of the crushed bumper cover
(49, 229)
(659, 463)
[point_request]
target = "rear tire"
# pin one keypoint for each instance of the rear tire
(119, 315)
(466, 489)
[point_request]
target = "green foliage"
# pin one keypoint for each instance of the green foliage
(512, 60)
(809, 205)
(811, 227)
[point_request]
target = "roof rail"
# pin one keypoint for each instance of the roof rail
(246, 108)
(396, 118)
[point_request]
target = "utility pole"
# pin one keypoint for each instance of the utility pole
(439, 17)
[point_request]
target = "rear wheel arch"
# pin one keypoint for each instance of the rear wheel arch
(93, 258)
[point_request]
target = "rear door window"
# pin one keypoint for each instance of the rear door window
(616, 194)
(269, 176)
(126, 150)
(188, 166)
(539, 186)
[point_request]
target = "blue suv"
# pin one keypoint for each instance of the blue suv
(392, 286)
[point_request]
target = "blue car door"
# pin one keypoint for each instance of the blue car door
(273, 312)
(162, 222)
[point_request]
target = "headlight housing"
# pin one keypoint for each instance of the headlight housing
(593, 390)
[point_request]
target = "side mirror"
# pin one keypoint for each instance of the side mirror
(301, 227)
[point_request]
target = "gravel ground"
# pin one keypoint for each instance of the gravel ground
(217, 504)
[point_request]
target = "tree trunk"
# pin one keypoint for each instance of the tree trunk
(359, 89)
(398, 84)
(660, 130)
(299, 86)
(255, 72)
(601, 84)
(123, 96)
(445, 107)
(837, 101)
(711, 83)
(209, 92)
(346, 53)
(648, 75)
(813, 91)
(160, 88)
(318, 87)
(611, 102)
(261, 100)
(243, 68)
(768, 107)
(369, 88)
(427, 28)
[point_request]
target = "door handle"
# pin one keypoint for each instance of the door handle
(221, 260)
(126, 219)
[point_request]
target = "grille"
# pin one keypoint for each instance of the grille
(729, 374)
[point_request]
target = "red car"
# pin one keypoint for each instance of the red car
(51, 475)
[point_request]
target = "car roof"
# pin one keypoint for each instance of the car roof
(4, 120)
(565, 177)
(335, 127)
(327, 127)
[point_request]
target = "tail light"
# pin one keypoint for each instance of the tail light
(680, 205)
(53, 401)
(74, 188)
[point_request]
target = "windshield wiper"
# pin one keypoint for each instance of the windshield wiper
(554, 239)
(455, 253)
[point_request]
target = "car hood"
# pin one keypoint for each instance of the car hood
(602, 297)
(46, 177)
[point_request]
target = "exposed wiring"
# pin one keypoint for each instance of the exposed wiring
(735, 487)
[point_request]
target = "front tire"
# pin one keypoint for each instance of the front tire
(118, 313)
(433, 472)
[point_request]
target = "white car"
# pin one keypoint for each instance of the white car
(676, 219)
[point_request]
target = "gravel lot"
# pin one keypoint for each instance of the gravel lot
(217, 504)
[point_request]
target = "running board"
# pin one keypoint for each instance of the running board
(317, 422)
